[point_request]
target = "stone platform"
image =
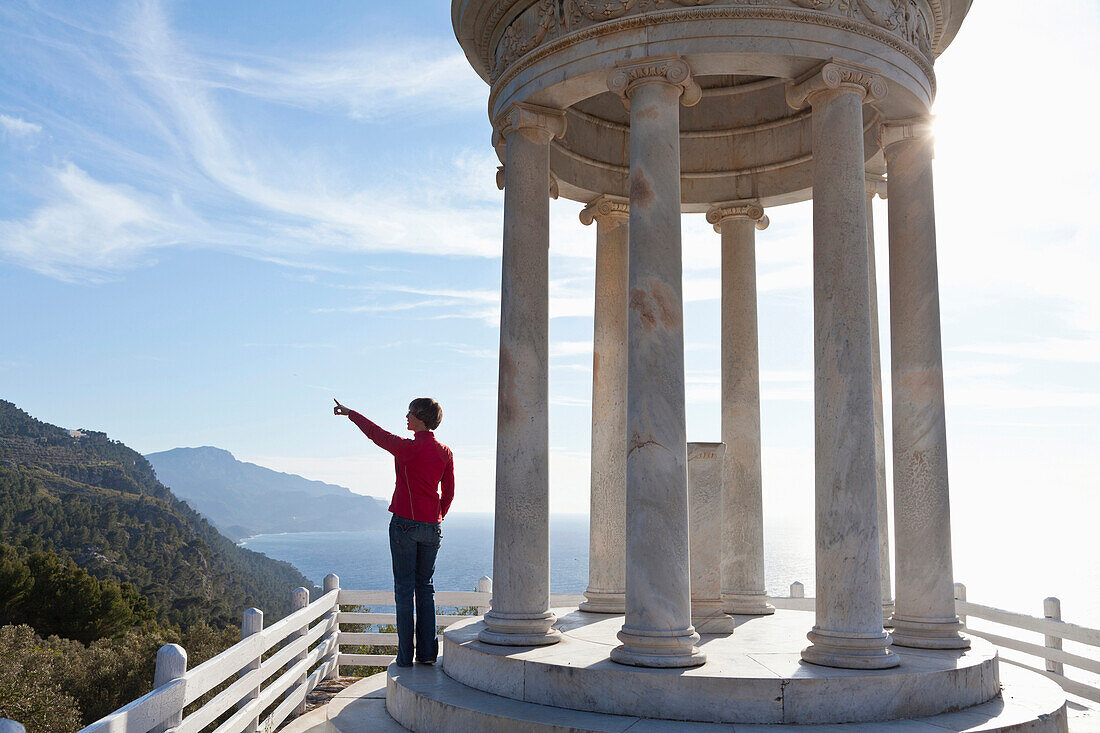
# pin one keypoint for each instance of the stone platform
(754, 675)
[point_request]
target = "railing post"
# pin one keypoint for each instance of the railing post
(484, 585)
(331, 583)
(299, 599)
(798, 590)
(10, 726)
(252, 622)
(960, 595)
(1052, 609)
(171, 665)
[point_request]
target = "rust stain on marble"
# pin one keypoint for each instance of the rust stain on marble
(656, 302)
(641, 192)
(509, 401)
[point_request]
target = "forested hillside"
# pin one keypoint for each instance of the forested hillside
(97, 502)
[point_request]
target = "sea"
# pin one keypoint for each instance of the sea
(1008, 575)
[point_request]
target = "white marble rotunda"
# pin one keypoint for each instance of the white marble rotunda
(644, 111)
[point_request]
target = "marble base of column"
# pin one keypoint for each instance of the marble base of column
(926, 633)
(705, 519)
(747, 604)
(849, 649)
(519, 629)
(601, 601)
(658, 648)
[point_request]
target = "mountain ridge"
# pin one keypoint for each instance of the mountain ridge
(243, 498)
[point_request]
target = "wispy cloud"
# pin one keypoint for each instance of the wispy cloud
(89, 228)
(368, 83)
(19, 128)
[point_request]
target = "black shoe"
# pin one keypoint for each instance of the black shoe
(399, 664)
(425, 661)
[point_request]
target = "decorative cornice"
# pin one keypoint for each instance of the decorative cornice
(714, 12)
(520, 116)
(605, 205)
(837, 74)
(898, 131)
(666, 68)
(751, 210)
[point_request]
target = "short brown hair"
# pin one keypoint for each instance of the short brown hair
(427, 411)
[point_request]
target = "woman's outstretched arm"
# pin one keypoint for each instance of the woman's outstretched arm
(384, 439)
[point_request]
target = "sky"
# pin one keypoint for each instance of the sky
(216, 217)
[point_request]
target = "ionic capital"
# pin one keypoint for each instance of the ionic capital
(915, 129)
(876, 186)
(521, 116)
(837, 74)
(604, 205)
(667, 69)
(751, 210)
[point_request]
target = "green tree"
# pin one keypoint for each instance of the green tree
(29, 690)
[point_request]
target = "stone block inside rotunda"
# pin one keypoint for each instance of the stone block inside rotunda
(646, 111)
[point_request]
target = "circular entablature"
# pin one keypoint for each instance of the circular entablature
(741, 141)
(754, 675)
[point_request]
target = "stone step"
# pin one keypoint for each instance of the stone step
(426, 700)
(359, 708)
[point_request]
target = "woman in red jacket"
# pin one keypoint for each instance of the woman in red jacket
(422, 464)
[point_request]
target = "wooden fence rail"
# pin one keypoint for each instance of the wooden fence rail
(1054, 632)
(273, 669)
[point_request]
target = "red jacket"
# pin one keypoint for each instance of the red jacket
(422, 464)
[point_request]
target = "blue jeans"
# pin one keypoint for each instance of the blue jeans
(413, 547)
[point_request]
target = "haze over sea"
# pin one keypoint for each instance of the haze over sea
(997, 572)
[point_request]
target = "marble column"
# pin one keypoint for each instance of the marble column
(705, 512)
(606, 591)
(657, 630)
(743, 513)
(520, 614)
(848, 630)
(877, 186)
(924, 614)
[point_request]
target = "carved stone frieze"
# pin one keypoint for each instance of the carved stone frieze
(910, 21)
(603, 9)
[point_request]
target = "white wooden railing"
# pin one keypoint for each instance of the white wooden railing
(1055, 631)
(272, 670)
